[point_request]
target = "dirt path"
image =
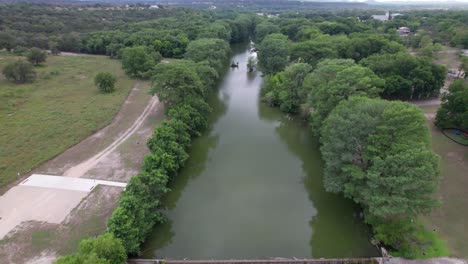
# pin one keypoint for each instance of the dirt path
(80, 169)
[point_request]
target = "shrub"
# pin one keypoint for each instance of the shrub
(105, 249)
(36, 56)
(105, 82)
(20, 72)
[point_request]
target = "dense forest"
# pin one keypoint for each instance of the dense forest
(342, 71)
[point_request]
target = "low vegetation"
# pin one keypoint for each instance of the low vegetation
(105, 82)
(19, 71)
(36, 56)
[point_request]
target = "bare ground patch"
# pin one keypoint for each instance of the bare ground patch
(40, 242)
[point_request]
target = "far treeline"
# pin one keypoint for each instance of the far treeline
(342, 71)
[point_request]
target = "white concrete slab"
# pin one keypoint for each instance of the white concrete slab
(44, 198)
(67, 183)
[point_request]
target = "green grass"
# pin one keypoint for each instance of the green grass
(450, 220)
(458, 138)
(41, 238)
(42, 119)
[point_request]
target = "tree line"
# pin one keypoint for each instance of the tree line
(376, 151)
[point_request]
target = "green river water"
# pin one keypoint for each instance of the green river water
(252, 187)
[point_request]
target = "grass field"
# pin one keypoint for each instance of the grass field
(42, 119)
(450, 220)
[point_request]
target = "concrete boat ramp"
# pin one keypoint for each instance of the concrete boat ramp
(44, 198)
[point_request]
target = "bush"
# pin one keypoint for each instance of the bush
(105, 82)
(36, 56)
(20, 72)
(105, 249)
(409, 238)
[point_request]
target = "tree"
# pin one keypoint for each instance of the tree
(406, 77)
(105, 249)
(453, 113)
(251, 63)
(137, 61)
(312, 51)
(36, 56)
(273, 53)
(177, 81)
(7, 41)
(20, 72)
(265, 28)
(54, 48)
(214, 51)
(285, 89)
(378, 153)
(363, 45)
(105, 82)
(335, 80)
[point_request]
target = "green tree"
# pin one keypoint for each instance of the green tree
(265, 28)
(105, 82)
(273, 53)
(363, 45)
(312, 51)
(7, 40)
(335, 80)
(406, 77)
(214, 51)
(285, 89)
(105, 249)
(251, 63)
(19, 71)
(36, 56)
(453, 113)
(137, 61)
(378, 153)
(53, 46)
(176, 81)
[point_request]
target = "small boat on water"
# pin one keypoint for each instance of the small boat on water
(234, 65)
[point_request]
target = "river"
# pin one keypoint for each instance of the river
(252, 187)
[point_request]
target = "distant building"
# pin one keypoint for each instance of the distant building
(382, 17)
(154, 7)
(386, 17)
(404, 31)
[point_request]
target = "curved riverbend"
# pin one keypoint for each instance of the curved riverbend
(252, 188)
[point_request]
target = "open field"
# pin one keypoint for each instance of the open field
(450, 220)
(40, 120)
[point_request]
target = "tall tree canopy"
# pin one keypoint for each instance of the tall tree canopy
(453, 112)
(378, 153)
(137, 61)
(335, 80)
(406, 77)
(285, 89)
(177, 81)
(213, 51)
(273, 53)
